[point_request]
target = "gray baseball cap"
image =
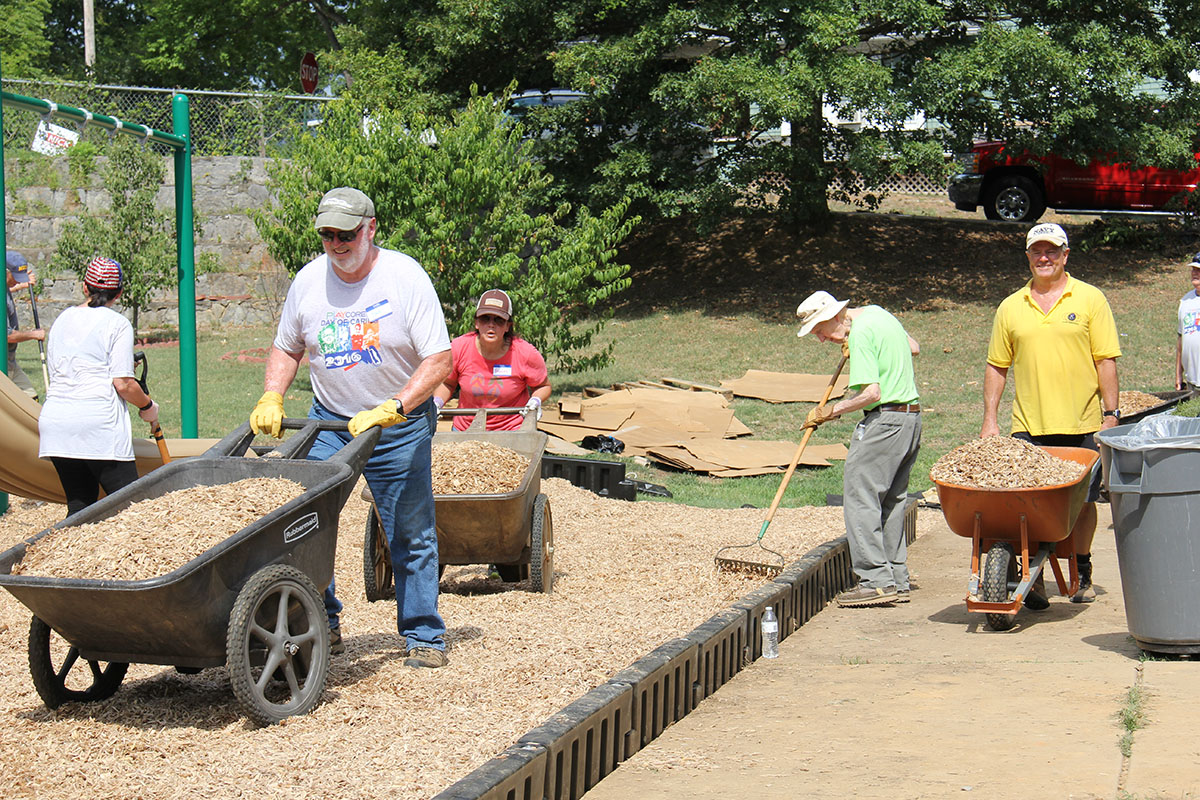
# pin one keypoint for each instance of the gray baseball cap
(344, 209)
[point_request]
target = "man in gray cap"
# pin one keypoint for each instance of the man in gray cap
(884, 445)
(1058, 336)
(372, 326)
(18, 277)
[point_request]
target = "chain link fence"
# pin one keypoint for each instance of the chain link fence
(222, 123)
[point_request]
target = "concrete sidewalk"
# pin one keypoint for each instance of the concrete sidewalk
(924, 700)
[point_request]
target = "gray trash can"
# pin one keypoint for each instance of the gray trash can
(1152, 470)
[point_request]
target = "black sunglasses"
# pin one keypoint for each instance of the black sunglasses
(341, 236)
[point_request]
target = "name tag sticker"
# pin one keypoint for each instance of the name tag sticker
(379, 311)
(502, 370)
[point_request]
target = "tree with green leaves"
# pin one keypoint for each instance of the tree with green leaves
(461, 195)
(211, 44)
(683, 94)
(23, 42)
(134, 232)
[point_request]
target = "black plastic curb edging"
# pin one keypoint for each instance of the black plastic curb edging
(569, 753)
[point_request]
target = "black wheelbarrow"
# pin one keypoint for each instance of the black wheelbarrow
(512, 530)
(252, 603)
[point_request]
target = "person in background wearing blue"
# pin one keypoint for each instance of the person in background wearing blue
(1187, 347)
(372, 325)
(19, 277)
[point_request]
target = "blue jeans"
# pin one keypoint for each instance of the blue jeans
(398, 473)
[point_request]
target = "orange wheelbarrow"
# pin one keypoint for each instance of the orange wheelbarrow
(1020, 530)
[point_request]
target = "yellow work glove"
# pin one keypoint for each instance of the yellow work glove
(267, 416)
(817, 416)
(846, 349)
(385, 415)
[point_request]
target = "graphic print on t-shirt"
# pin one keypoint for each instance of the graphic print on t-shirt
(349, 338)
(484, 388)
(1189, 322)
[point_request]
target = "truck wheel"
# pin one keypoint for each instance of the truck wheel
(1014, 199)
(541, 547)
(277, 647)
(377, 560)
(999, 571)
(57, 670)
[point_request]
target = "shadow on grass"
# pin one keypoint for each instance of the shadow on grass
(757, 266)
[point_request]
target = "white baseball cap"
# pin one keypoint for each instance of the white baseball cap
(1046, 232)
(816, 308)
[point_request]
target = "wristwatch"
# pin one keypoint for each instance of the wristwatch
(1116, 412)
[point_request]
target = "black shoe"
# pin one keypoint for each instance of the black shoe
(1036, 599)
(336, 645)
(1086, 593)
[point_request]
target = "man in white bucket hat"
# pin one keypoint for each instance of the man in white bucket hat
(1058, 336)
(884, 445)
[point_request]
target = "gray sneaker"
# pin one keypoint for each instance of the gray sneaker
(336, 645)
(862, 595)
(429, 657)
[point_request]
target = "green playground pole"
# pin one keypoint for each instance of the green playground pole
(4, 247)
(188, 380)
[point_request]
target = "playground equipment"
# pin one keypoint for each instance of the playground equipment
(179, 142)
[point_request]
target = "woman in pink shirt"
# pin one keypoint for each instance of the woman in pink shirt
(494, 368)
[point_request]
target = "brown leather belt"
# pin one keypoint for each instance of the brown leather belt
(903, 408)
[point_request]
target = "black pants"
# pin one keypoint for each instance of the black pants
(82, 479)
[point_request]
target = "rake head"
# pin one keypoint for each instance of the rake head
(763, 561)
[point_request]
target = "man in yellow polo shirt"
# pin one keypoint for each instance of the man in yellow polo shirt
(1058, 336)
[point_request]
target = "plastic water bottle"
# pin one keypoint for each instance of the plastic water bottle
(770, 634)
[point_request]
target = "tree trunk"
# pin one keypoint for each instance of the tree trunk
(806, 203)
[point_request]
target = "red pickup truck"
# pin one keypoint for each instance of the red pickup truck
(1019, 188)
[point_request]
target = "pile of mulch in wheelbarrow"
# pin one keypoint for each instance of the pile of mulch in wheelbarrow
(627, 577)
(1132, 402)
(473, 466)
(1002, 462)
(158, 535)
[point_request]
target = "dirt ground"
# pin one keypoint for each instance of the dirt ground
(901, 262)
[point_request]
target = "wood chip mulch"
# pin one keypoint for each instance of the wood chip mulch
(1002, 462)
(156, 536)
(1134, 402)
(628, 575)
(476, 467)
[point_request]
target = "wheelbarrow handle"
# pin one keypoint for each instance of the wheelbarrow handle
(237, 442)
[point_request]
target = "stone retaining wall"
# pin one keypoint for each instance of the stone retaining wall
(249, 290)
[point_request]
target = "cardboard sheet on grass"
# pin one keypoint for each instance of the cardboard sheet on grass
(643, 418)
(785, 387)
(736, 459)
(683, 429)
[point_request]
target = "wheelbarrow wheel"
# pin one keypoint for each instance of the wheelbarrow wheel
(541, 547)
(277, 648)
(377, 560)
(999, 572)
(57, 673)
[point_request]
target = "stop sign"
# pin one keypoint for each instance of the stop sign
(308, 73)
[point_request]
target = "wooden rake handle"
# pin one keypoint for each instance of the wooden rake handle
(787, 476)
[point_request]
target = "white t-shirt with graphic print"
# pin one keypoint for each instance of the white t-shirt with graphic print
(364, 340)
(1189, 329)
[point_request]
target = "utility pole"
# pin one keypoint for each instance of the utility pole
(89, 37)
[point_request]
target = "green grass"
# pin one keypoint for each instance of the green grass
(1131, 716)
(707, 346)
